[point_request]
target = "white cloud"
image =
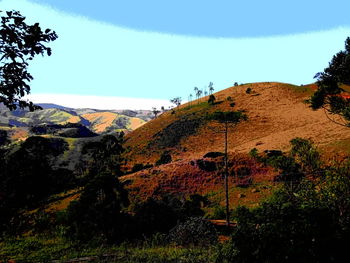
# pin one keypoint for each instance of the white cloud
(98, 102)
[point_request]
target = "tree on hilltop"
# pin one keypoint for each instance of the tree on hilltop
(328, 95)
(19, 43)
(155, 111)
(211, 88)
(176, 101)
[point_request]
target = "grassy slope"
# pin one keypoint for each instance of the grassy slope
(277, 113)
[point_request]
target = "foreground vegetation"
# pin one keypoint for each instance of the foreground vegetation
(305, 220)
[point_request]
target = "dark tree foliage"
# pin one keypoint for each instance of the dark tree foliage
(19, 43)
(27, 176)
(285, 232)
(104, 156)
(3, 137)
(97, 214)
(329, 86)
(154, 216)
(211, 99)
(165, 158)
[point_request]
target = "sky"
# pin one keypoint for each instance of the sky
(136, 54)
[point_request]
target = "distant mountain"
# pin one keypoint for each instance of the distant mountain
(98, 121)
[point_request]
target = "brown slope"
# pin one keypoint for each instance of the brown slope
(277, 113)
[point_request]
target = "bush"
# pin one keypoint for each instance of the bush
(248, 90)
(140, 166)
(164, 158)
(97, 212)
(211, 99)
(207, 166)
(155, 216)
(219, 212)
(195, 231)
(213, 154)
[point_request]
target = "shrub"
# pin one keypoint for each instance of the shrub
(211, 99)
(97, 212)
(195, 231)
(164, 158)
(248, 90)
(207, 166)
(219, 212)
(213, 154)
(155, 216)
(140, 166)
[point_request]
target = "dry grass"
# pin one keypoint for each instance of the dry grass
(277, 113)
(100, 120)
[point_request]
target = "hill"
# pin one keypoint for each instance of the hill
(277, 113)
(98, 121)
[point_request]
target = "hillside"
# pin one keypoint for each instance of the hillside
(98, 121)
(277, 113)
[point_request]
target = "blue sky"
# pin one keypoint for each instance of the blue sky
(156, 50)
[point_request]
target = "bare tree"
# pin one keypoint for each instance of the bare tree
(229, 118)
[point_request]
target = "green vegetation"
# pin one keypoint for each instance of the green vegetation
(328, 94)
(19, 43)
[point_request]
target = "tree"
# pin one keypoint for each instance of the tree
(199, 93)
(227, 118)
(211, 88)
(196, 92)
(155, 111)
(328, 95)
(98, 210)
(104, 156)
(176, 101)
(191, 96)
(19, 43)
(211, 99)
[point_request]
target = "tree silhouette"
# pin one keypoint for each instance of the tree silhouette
(211, 99)
(19, 43)
(155, 111)
(191, 96)
(176, 101)
(199, 93)
(328, 95)
(196, 92)
(98, 210)
(229, 118)
(211, 88)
